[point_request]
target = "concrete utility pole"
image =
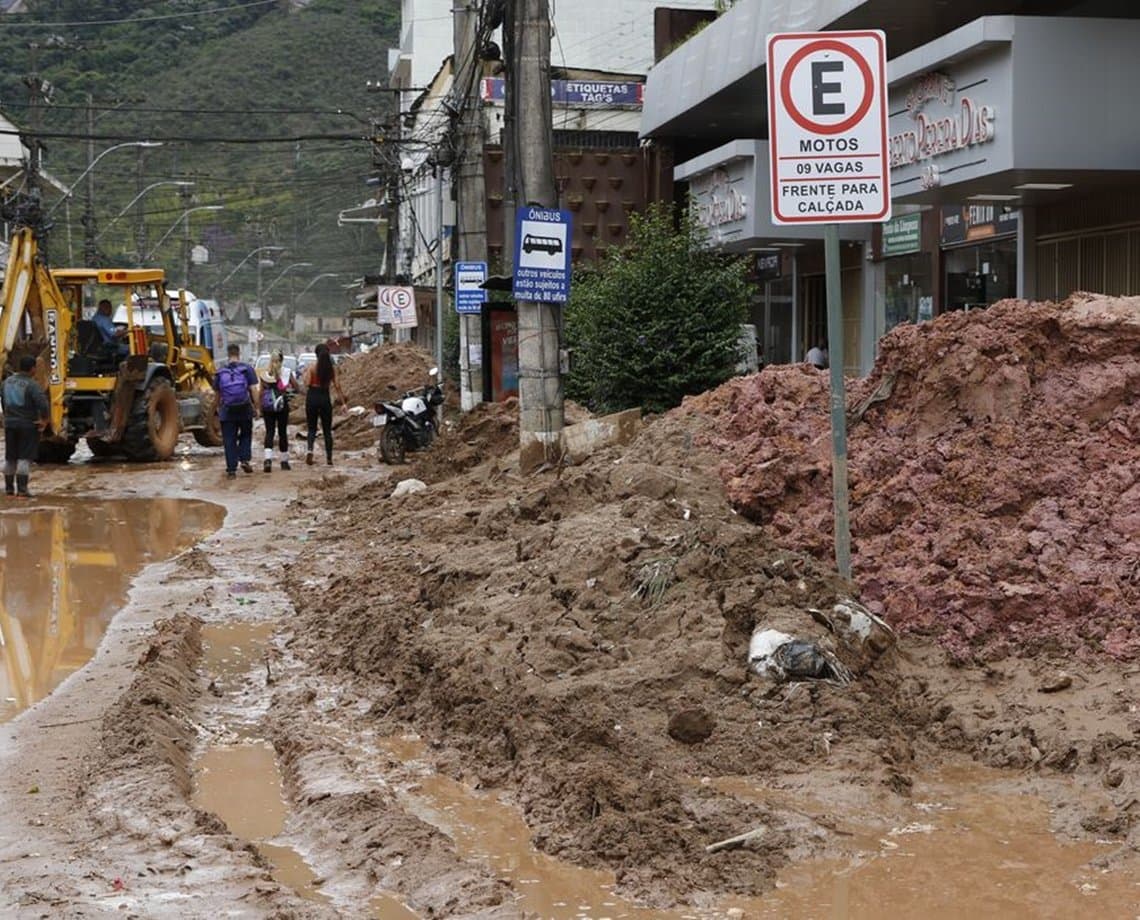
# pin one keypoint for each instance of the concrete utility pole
(89, 209)
(528, 89)
(470, 186)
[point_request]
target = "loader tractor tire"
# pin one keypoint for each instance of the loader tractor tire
(55, 451)
(101, 450)
(154, 426)
(210, 435)
(392, 444)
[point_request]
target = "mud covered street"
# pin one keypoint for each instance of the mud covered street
(501, 696)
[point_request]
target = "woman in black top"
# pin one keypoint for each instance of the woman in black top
(319, 381)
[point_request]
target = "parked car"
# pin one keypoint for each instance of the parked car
(262, 363)
(304, 359)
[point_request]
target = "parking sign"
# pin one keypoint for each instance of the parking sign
(827, 127)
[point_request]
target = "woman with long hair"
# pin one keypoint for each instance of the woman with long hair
(319, 382)
(277, 385)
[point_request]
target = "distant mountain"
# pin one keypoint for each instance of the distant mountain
(261, 103)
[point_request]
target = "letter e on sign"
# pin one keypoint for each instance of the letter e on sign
(827, 127)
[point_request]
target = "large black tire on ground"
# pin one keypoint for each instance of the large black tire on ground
(153, 430)
(392, 443)
(211, 434)
(101, 450)
(54, 451)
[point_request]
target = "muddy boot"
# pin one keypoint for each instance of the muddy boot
(22, 487)
(267, 466)
(9, 485)
(309, 458)
(285, 464)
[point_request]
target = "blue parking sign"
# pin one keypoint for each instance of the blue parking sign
(542, 255)
(469, 292)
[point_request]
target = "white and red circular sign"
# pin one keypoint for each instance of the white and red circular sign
(827, 125)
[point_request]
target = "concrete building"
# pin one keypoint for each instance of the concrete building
(1014, 171)
(600, 52)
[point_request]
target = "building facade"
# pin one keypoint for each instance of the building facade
(1013, 143)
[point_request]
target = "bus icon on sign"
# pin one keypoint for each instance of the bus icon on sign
(548, 244)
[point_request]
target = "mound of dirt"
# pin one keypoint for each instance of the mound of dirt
(383, 373)
(551, 629)
(994, 458)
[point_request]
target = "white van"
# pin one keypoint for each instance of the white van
(207, 327)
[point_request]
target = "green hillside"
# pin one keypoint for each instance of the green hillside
(263, 105)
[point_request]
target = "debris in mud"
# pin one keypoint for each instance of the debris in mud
(1055, 683)
(994, 503)
(691, 726)
(408, 487)
(776, 654)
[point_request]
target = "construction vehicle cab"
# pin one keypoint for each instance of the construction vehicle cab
(135, 406)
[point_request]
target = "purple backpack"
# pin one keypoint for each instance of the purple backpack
(233, 385)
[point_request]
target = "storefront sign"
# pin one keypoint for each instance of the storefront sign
(944, 121)
(828, 127)
(768, 266)
(716, 198)
(902, 235)
(965, 223)
(577, 93)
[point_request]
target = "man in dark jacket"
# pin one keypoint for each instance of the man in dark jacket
(26, 414)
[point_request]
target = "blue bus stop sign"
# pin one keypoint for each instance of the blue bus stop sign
(542, 255)
(469, 292)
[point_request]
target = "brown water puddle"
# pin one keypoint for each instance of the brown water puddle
(241, 783)
(965, 848)
(485, 829)
(65, 570)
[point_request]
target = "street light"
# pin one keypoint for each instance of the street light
(246, 258)
(315, 280)
(174, 226)
(288, 268)
(91, 166)
(180, 183)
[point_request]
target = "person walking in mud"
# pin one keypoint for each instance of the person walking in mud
(26, 414)
(277, 384)
(319, 382)
(235, 384)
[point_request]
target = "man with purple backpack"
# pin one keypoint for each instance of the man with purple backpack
(235, 384)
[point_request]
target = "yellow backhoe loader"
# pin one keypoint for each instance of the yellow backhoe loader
(134, 406)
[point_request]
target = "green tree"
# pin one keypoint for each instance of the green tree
(659, 319)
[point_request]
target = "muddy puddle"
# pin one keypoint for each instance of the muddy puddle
(967, 845)
(65, 569)
(241, 782)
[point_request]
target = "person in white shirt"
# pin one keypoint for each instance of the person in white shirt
(817, 356)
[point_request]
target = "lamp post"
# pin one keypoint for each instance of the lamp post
(179, 183)
(261, 293)
(293, 300)
(88, 215)
(246, 258)
(174, 226)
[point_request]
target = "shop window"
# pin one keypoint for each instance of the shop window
(909, 289)
(977, 276)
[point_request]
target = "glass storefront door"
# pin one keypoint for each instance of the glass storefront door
(977, 276)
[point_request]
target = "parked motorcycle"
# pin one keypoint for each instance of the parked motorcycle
(412, 423)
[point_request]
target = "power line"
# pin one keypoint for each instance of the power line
(191, 139)
(116, 22)
(156, 110)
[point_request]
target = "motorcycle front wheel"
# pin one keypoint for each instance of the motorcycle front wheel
(392, 444)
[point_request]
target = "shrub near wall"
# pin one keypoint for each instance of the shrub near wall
(657, 320)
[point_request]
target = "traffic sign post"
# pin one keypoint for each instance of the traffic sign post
(470, 295)
(542, 255)
(827, 130)
(396, 306)
(827, 127)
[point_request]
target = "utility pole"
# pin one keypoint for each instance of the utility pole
(89, 208)
(140, 214)
(528, 97)
(470, 186)
(184, 194)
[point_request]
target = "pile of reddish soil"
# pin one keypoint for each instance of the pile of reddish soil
(994, 459)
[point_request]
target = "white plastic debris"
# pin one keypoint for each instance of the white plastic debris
(407, 487)
(762, 648)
